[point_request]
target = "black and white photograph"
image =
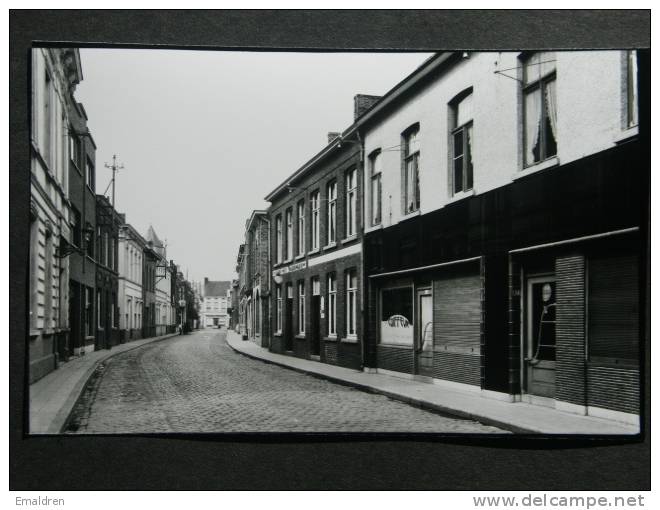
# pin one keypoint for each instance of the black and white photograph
(437, 242)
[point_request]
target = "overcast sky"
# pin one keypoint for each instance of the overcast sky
(205, 135)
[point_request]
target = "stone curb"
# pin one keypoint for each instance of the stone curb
(65, 413)
(422, 404)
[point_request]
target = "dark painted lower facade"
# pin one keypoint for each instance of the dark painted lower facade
(535, 290)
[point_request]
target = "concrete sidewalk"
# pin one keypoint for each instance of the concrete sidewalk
(517, 417)
(52, 398)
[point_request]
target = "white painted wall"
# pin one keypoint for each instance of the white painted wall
(590, 108)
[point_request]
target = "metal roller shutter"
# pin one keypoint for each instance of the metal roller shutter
(613, 311)
(457, 314)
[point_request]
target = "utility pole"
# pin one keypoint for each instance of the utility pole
(114, 167)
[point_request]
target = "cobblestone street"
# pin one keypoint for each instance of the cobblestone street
(196, 383)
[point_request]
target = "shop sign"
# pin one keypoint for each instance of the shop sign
(290, 268)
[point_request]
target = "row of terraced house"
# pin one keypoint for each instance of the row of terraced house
(482, 225)
(95, 281)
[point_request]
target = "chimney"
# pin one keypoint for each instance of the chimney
(206, 280)
(361, 103)
(332, 135)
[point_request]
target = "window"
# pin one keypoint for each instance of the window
(351, 303)
(540, 107)
(106, 248)
(48, 280)
(47, 124)
(278, 315)
(316, 286)
(91, 174)
(332, 212)
(76, 238)
(74, 148)
(375, 173)
(98, 309)
(301, 307)
(90, 243)
(34, 247)
(278, 238)
(613, 308)
(301, 228)
(351, 202)
(89, 311)
(315, 219)
(332, 305)
(461, 143)
(411, 169)
(289, 234)
(631, 88)
(396, 316)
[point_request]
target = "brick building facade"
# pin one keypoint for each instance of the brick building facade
(316, 256)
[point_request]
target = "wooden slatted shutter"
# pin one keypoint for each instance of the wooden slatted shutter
(457, 314)
(613, 308)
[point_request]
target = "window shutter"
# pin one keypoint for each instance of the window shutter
(613, 313)
(457, 314)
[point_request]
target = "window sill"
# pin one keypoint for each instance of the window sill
(350, 340)
(299, 257)
(287, 261)
(278, 334)
(330, 246)
(537, 167)
(373, 228)
(313, 252)
(399, 346)
(457, 197)
(413, 214)
(626, 134)
(300, 337)
(349, 239)
(330, 339)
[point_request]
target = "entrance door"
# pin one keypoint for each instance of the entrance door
(315, 333)
(424, 332)
(539, 349)
(288, 318)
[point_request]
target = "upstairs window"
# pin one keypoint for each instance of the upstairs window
(375, 172)
(411, 169)
(540, 107)
(278, 239)
(351, 202)
(351, 303)
(315, 202)
(289, 234)
(332, 212)
(74, 149)
(631, 88)
(301, 228)
(461, 142)
(91, 174)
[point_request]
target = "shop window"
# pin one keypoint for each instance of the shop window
(613, 309)
(540, 107)
(410, 153)
(396, 316)
(461, 142)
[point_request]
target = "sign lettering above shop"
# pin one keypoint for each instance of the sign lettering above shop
(291, 268)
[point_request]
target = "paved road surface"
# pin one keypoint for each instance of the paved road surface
(196, 383)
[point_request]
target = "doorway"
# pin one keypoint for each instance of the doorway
(424, 332)
(288, 318)
(539, 350)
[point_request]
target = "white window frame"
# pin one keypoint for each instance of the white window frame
(332, 305)
(278, 239)
(332, 212)
(375, 187)
(632, 115)
(289, 233)
(466, 131)
(351, 303)
(315, 203)
(278, 304)
(301, 307)
(411, 153)
(351, 202)
(301, 227)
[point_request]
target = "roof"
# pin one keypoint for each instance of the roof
(158, 245)
(255, 214)
(427, 67)
(216, 288)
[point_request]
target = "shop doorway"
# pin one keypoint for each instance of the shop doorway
(424, 332)
(539, 352)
